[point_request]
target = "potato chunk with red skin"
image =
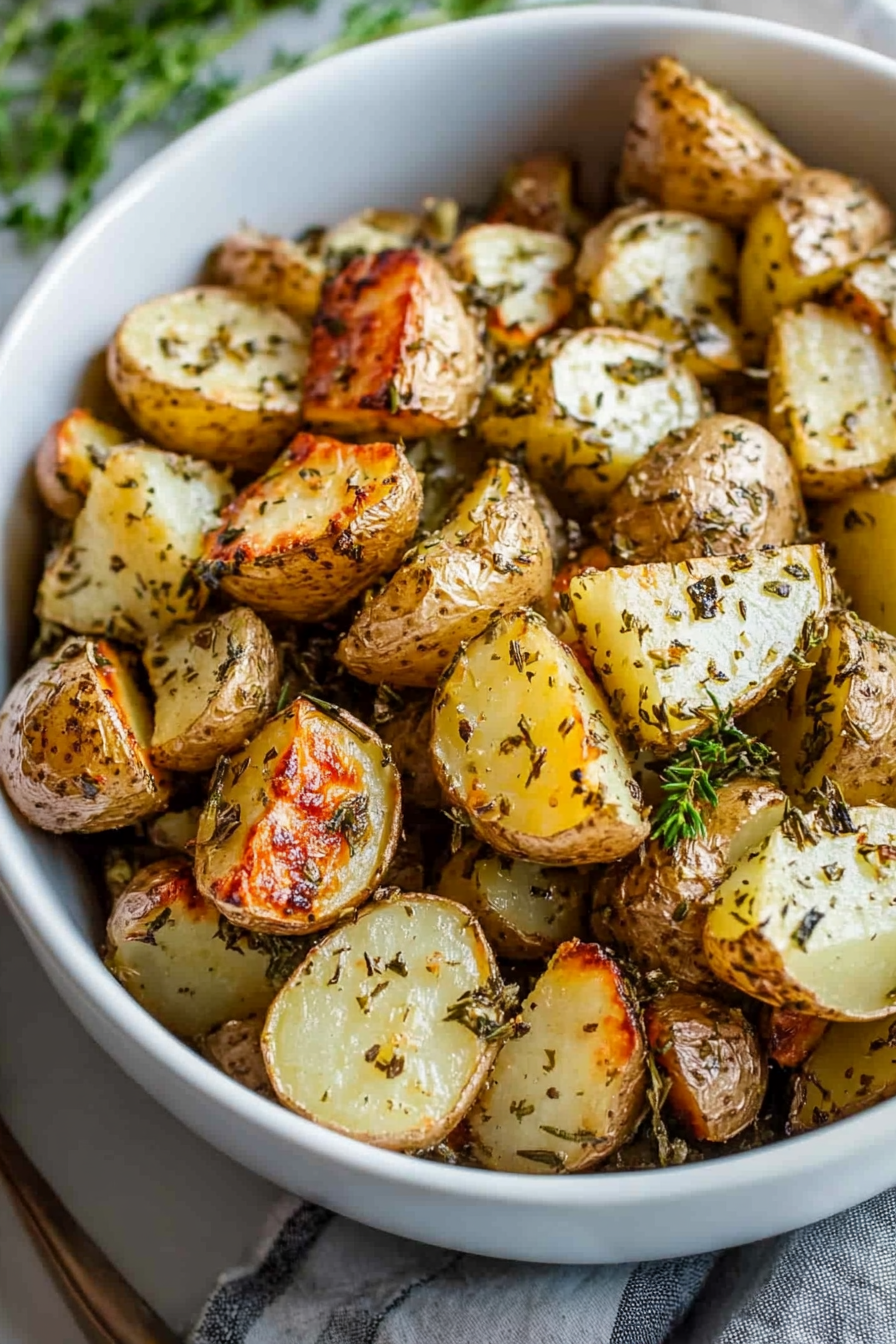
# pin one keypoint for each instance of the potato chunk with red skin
(392, 350)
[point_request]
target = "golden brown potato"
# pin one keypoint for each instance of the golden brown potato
(853, 1067)
(859, 531)
(407, 732)
(211, 373)
(790, 1036)
(392, 350)
(269, 269)
(868, 293)
(74, 742)
(301, 825)
(235, 1049)
(215, 684)
(324, 521)
(690, 146)
(724, 487)
(712, 1058)
(70, 453)
(520, 277)
(539, 193)
(491, 555)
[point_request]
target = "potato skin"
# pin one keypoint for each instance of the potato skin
(235, 1049)
(851, 1068)
(790, 1036)
(539, 193)
(868, 293)
(70, 451)
(270, 270)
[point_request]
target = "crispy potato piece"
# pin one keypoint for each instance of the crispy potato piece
(521, 277)
(524, 744)
(724, 487)
(539, 193)
(269, 269)
(807, 919)
(654, 906)
(368, 233)
(526, 910)
(832, 400)
(370, 1036)
(584, 407)
(324, 521)
(853, 1067)
(674, 644)
(860, 533)
(690, 146)
(407, 734)
(711, 1056)
(670, 274)
(74, 742)
(789, 1036)
(558, 609)
(235, 1048)
(801, 242)
(71, 452)
(215, 684)
(393, 350)
(209, 372)
(128, 571)
(570, 1092)
(868, 293)
(301, 825)
(491, 555)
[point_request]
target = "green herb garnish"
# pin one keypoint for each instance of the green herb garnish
(488, 1011)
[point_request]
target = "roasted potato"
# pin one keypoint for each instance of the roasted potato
(568, 1093)
(524, 745)
(175, 830)
(392, 350)
(526, 910)
(584, 407)
(670, 274)
(860, 533)
(324, 521)
(713, 1061)
(71, 452)
(690, 146)
(491, 555)
(235, 1048)
(407, 732)
(268, 269)
(807, 919)
(129, 568)
(724, 487)
(868, 293)
(539, 193)
(853, 1067)
(74, 742)
(790, 1036)
(520, 277)
(380, 1033)
(675, 644)
(300, 825)
(367, 234)
(215, 684)
(211, 373)
(832, 400)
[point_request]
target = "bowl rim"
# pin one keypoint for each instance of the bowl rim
(30, 895)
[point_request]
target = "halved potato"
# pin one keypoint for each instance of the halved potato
(70, 453)
(853, 1067)
(368, 233)
(392, 349)
(269, 269)
(868, 293)
(790, 1036)
(521, 277)
(526, 910)
(539, 193)
(379, 1033)
(166, 945)
(690, 146)
(74, 742)
(674, 644)
(859, 531)
(129, 569)
(407, 732)
(724, 487)
(524, 744)
(302, 824)
(215, 684)
(670, 274)
(832, 400)
(491, 555)
(209, 372)
(568, 1093)
(235, 1048)
(807, 919)
(324, 521)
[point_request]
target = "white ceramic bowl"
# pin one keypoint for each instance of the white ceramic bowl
(439, 111)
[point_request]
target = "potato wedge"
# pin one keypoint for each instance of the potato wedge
(74, 742)
(370, 1036)
(800, 244)
(491, 555)
(215, 684)
(859, 531)
(166, 945)
(584, 407)
(690, 146)
(71, 452)
(712, 1058)
(392, 350)
(539, 193)
(211, 373)
(724, 487)
(790, 1037)
(853, 1067)
(674, 644)
(407, 732)
(235, 1049)
(570, 1092)
(526, 910)
(269, 269)
(832, 400)
(670, 274)
(523, 743)
(520, 277)
(129, 568)
(868, 293)
(807, 919)
(324, 521)
(301, 825)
